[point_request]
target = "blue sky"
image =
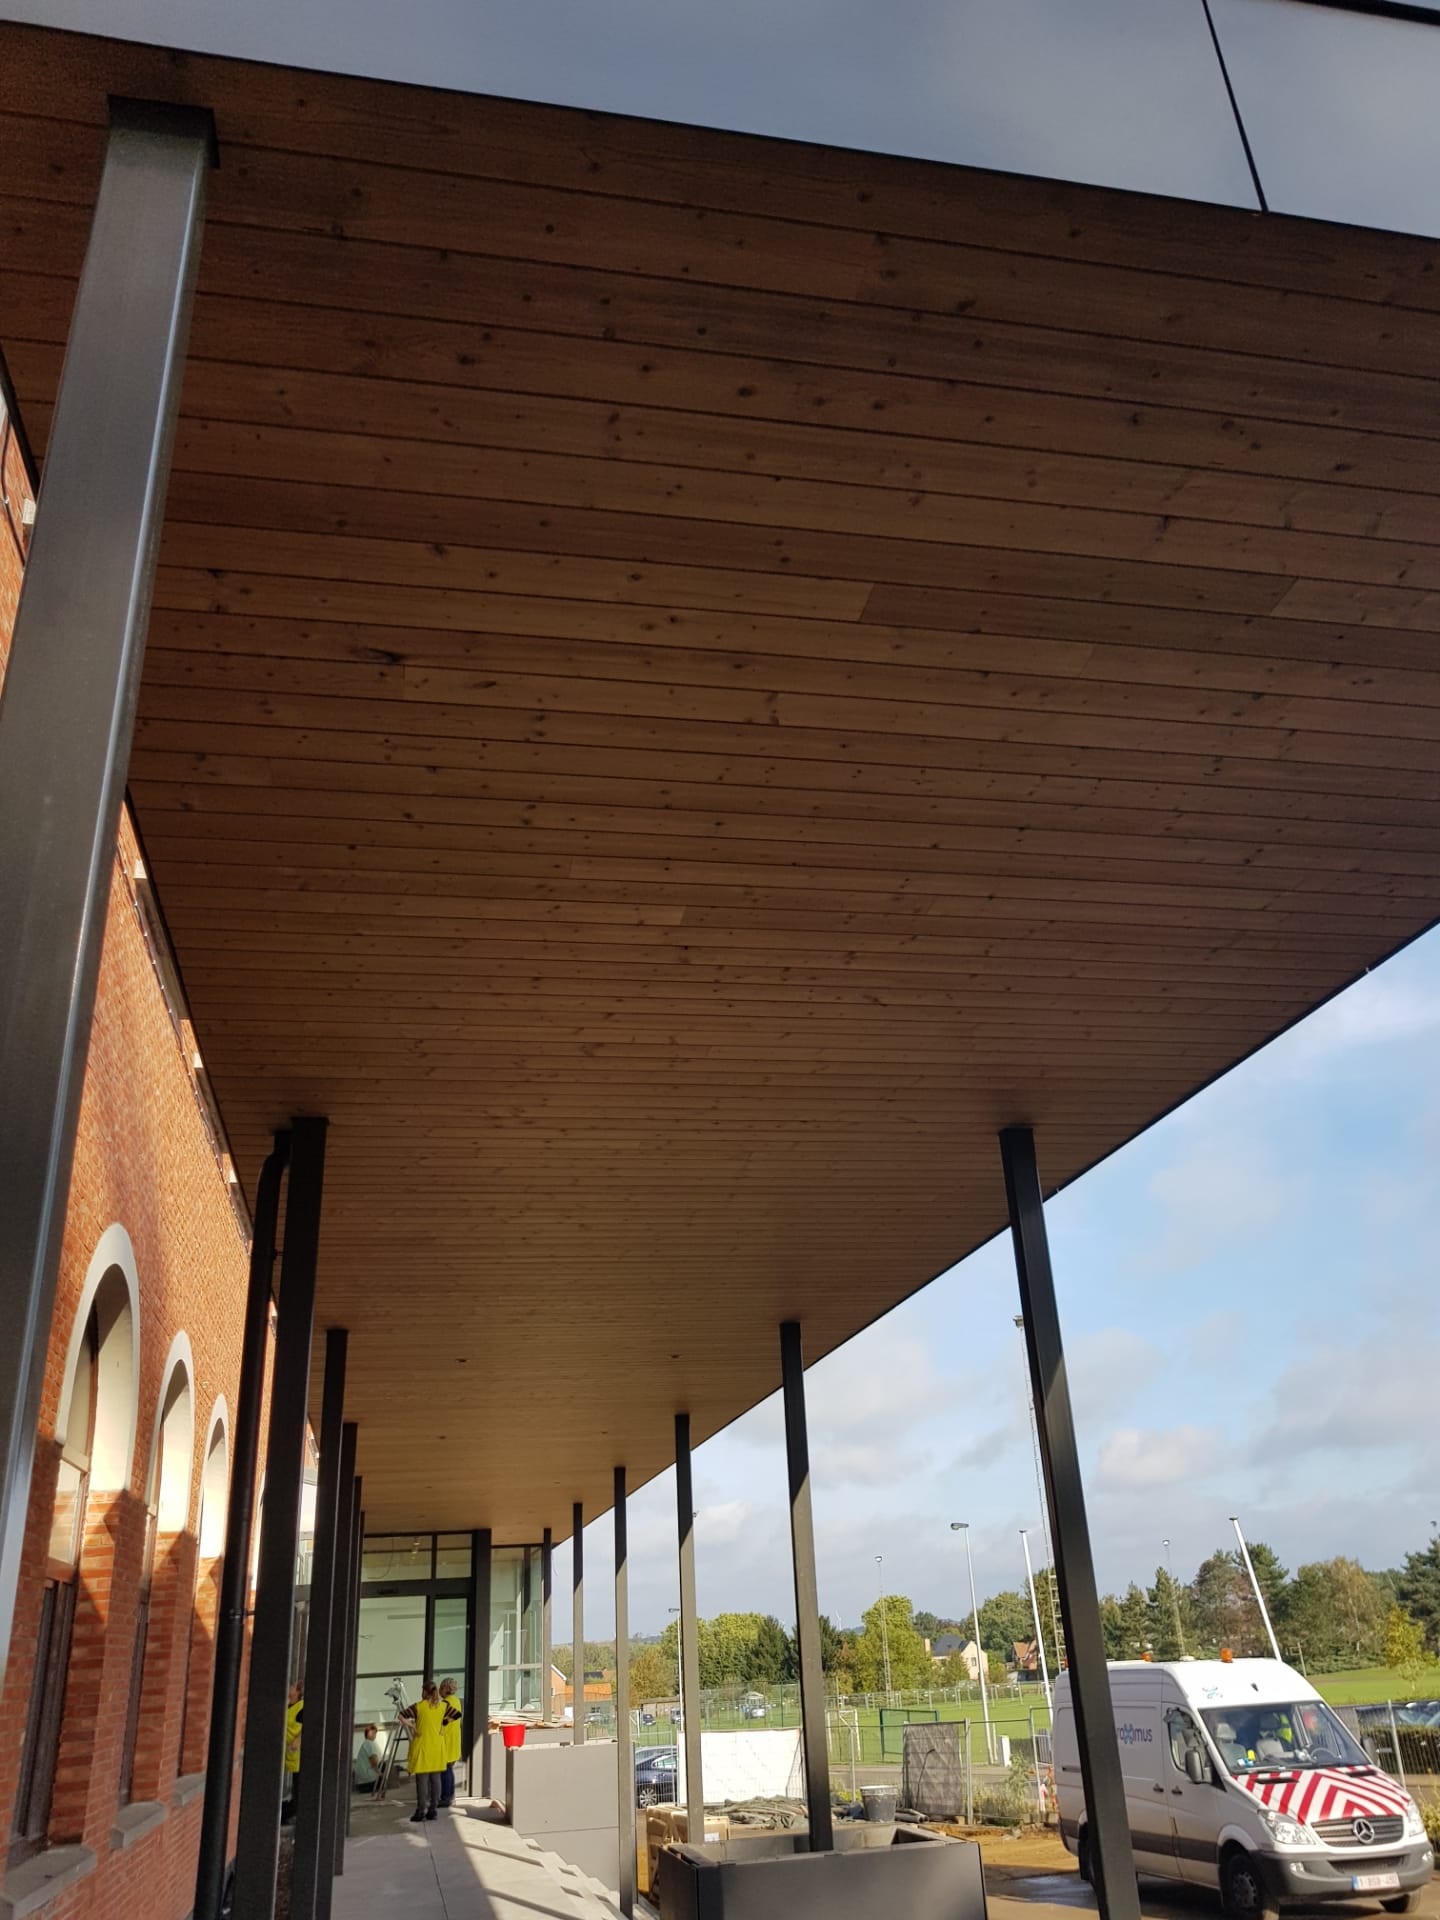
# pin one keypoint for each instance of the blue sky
(1250, 1309)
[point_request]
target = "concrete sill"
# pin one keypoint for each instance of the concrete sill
(30, 1888)
(140, 1817)
(186, 1788)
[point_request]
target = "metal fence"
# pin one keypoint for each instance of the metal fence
(1401, 1737)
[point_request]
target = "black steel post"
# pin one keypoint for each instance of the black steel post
(577, 1625)
(258, 1841)
(471, 1732)
(68, 715)
(481, 1700)
(317, 1743)
(807, 1593)
(235, 1567)
(340, 1740)
(689, 1636)
(547, 1642)
(1112, 1859)
(352, 1629)
(624, 1740)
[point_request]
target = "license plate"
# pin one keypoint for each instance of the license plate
(1374, 1882)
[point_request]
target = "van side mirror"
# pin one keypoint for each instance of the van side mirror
(1196, 1769)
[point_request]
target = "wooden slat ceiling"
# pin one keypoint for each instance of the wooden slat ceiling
(692, 679)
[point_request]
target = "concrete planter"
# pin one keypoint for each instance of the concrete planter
(873, 1870)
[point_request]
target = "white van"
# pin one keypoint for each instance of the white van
(1238, 1776)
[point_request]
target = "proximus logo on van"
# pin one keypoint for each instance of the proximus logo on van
(1128, 1735)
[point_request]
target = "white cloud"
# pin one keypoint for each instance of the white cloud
(1159, 1457)
(1223, 1189)
(1376, 1012)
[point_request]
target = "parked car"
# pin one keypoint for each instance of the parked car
(753, 1706)
(655, 1776)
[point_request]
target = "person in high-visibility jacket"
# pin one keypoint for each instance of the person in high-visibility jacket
(426, 1762)
(454, 1711)
(294, 1714)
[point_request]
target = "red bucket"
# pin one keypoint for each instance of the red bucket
(513, 1734)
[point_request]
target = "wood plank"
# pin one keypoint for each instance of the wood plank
(856, 540)
(486, 138)
(351, 199)
(382, 698)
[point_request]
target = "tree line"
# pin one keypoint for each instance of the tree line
(1328, 1615)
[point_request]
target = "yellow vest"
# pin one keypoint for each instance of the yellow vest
(454, 1706)
(292, 1736)
(427, 1743)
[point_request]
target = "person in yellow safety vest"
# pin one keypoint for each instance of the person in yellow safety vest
(426, 1762)
(454, 1709)
(294, 1714)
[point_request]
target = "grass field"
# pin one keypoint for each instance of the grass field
(1371, 1684)
(1012, 1716)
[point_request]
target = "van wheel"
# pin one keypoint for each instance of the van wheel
(1243, 1889)
(1082, 1851)
(1402, 1903)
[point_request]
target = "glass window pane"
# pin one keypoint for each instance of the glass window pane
(392, 1634)
(452, 1556)
(451, 1639)
(396, 1556)
(372, 1701)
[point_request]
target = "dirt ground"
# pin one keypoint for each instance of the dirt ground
(1028, 1849)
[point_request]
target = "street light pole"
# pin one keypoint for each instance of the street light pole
(1175, 1601)
(1035, 1611)
(963, 1526)
(1255, 1584)
(884, 1625)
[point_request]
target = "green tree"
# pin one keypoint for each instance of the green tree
(772, 1655)
(1135, 1623)
(832, 1645)
(1404, 1647)
(1218, 1604)
(1004, 1619)
(1167, 1617)
(928, 1624)
(652, 1675)
(910, 1665)
(1274, 1582)
(1418, 1590)
(1112, 1627)
(1335, 1613)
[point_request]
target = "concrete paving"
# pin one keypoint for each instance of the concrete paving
(465, 1865)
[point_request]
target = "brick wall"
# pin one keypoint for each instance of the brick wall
(145, 1158)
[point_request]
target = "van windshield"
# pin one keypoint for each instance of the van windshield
(1303, 1733)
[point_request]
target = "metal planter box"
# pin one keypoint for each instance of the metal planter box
(873, 1870)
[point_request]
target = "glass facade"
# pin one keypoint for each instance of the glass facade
(415, 1623)
(515, 1673)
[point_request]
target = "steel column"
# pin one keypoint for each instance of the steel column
(340, 1716)
(352, 1630)
(235, 1567)
(807, 1595)
(624, 1744)
(547, 1642)
(319, 1727)
(258, 1841)
(69, 712)
(577, 1625)
(481, 1574)
(689, 1635)
(1108, 1828)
